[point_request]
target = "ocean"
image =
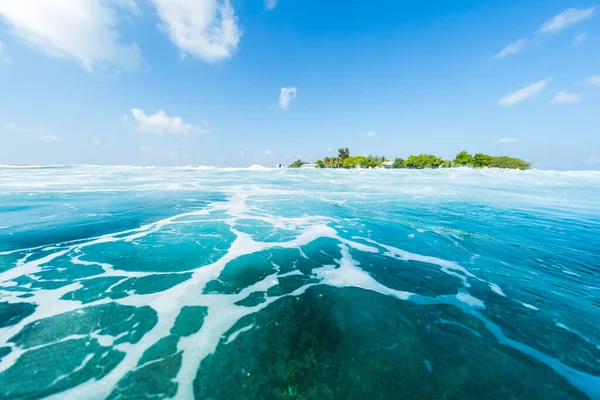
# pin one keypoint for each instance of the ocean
(231, 283)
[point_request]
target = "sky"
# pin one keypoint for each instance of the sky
(237, 83)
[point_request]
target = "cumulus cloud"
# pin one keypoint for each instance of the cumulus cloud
(286, 95)
(513, 48)
(205, 29)
(527, 92)
(570, 16)
(564, 96)
(507, 140)
(96, 142)
(270, 4)
(47, 138)
(161, 123)
(593, 81)
(84, 30)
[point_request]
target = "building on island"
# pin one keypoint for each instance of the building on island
(309, 166)
(388, 164)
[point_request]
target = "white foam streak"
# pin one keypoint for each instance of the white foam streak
(448, 267)
(28, 268)
(496, 289)
(235, 334)
(529, 306)
(575, 332)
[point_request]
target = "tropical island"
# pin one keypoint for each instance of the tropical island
(421, 161)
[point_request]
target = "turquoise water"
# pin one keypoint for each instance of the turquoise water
(125, 282)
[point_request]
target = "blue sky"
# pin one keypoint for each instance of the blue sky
(179, 82)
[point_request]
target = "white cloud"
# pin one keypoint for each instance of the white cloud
(527, 92)
(206, 29)
(507, 140)
(81, 29)
(270, 4)
(564, 96)
(160, 123)
(47, 138)
(25, 128)
(513, 48)
(579, 39)
(593, 81)
(286, 95)
(368, 134)
(329, 149)
(267, 153)
(567, 18)
(96, 142)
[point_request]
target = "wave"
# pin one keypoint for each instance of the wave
(582, 172)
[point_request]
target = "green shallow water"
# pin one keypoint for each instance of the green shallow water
(129, 283)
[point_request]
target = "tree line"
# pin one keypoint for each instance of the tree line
(420, 161)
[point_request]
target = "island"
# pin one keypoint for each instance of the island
(421, 161)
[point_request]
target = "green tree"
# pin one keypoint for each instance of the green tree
(331, 162)
(376, 161)
(463, 159)
(320, 164)
(433, 161)
(353, 161)
(481, 160)
(446, 164)
(358, 161)
(423, 161)
(343, 153)
(412, 162)
(398, 163)
(509, 162)
(297, 164)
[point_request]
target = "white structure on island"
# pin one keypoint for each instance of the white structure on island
(388, 165)
(309, 166)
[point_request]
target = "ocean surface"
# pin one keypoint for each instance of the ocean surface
(134, 283)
